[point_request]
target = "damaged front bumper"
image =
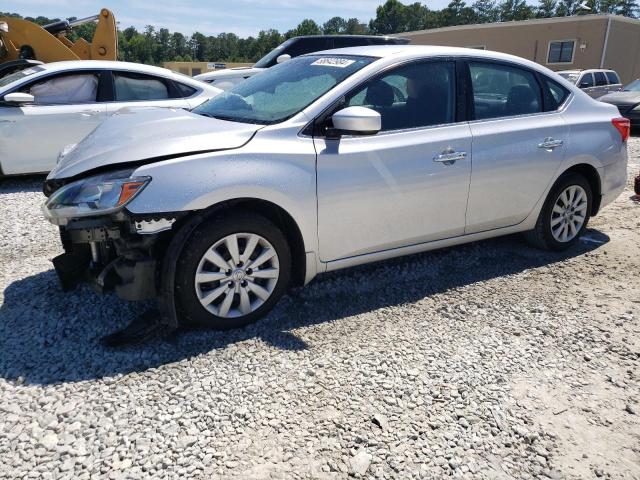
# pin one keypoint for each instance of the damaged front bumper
(117, 252)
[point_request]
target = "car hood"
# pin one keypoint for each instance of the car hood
(621, 98)
(145, 134)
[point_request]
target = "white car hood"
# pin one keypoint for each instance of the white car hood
(134, 135)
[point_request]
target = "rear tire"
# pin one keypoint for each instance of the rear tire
(232, 271)
(564, 215)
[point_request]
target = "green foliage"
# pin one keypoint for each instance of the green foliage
(154, 46)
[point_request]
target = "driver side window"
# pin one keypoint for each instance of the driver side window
(411, 96)
(65, 89)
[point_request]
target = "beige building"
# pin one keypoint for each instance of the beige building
(565, 43)
(196, 68)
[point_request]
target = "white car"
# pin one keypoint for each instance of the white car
(45, 108)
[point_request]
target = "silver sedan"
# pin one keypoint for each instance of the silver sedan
(45, 108)
(327, 161)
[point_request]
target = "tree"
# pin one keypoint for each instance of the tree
(335, 25)
(457, 13)
(546, 8)
(515, 10)
(305, 27)
(355, 27)
(486, 11)
(628, 8)
(197, 45)
(390, 18)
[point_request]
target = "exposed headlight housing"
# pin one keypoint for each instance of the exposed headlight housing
(98, 195)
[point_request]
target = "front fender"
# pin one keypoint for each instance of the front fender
(199, 182)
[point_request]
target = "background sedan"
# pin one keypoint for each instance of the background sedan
(47, 107)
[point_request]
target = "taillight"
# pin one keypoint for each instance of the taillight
(623, 126)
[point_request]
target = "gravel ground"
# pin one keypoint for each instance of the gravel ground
(491, 360)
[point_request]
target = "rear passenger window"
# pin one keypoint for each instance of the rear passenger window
(502, 91)
(412, 96)
(135, 87)
(600, 79)
(613, 78)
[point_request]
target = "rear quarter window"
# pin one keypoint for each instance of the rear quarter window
(185, 90)
(555, 94)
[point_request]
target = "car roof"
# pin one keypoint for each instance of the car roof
(387, 38)
(587, 70)
(419, 51)
(103, 64)
(71, 65)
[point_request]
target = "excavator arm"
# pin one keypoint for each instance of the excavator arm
(21, 39)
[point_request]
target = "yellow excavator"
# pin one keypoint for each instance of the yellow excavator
(24, 43)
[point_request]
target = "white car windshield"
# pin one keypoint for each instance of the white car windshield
(571, 77)
(19, 75)
(284, 90)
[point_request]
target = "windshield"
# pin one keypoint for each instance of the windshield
(280, 92)
(633, 86)
(15, 76)
(269, 58)
(571, 77)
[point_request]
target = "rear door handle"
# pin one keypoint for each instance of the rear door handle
(550, 143)
(449, 156)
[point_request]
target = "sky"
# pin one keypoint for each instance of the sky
(242, 17)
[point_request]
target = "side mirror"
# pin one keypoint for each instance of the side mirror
(584, 85)
(18, 97)
(356, 121)
(285, 57)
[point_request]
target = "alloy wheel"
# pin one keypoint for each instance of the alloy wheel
(569, 213)
(237, 275)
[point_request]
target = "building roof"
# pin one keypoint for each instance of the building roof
(534, 21)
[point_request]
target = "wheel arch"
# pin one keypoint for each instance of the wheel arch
(274, 213)
(595, 182)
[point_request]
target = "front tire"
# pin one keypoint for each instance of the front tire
(565, 214)
(232, 271)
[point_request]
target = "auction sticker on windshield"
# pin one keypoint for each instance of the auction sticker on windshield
(333, 62)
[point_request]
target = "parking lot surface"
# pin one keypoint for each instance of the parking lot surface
(491, 360)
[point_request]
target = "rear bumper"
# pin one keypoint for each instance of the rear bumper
(614, 181)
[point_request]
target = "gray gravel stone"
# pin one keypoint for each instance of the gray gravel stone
(443, 364)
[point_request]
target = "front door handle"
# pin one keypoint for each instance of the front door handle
(550, 143)
(449, 156)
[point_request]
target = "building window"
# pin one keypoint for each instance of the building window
(561, 52)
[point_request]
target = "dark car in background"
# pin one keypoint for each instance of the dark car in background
(627, 100)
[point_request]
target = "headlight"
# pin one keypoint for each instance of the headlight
(93, 196)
